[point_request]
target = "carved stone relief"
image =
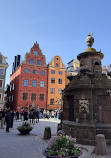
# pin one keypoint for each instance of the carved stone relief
(84, 106)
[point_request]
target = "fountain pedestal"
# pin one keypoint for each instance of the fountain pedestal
(87, 99)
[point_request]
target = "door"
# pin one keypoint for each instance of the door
(71, 107)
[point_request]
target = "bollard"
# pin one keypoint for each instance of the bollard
(100, 147)
(47, 133)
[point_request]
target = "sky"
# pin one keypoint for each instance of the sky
(59, 26)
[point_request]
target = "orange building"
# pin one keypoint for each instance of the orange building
(56, 83)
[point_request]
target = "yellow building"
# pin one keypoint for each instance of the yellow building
(72, 69)
(56, 83)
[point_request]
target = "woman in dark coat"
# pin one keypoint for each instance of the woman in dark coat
(25, 115)
(8, 120)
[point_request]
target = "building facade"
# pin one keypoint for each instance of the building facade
(72, 69)
(3, 67)
(108, 67)
(56, 83)
(28, 82)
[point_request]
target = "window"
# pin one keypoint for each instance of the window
(26, 82)
(13, 86)
(52, 90)
(42, 72)
(1, 71)
(34, 71)
(25, 96)
(51, 101)
(57, 65)
(35, 52)
(57, 59)
(38, 62)
(60, 72)
(59, 101)
(0, 97)
(26, 70)
(52, 80)
(77, 68)
(12, 98)
(9, 98)
(34, 83)
(59, 91)
(41, 83)
(60, 81)
(52, 71)
(1, 83)
(31, 61)
(41, 97)
(33, 96)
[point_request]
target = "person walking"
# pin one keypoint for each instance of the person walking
(32, 116)
(8, 120)
(21, 115)
(55, 115)
(12, 117)
(25, 115)
(2, 118)
(37, 116)
(44, 114)
(17, 116)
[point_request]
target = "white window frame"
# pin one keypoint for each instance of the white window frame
(13, 86)
(2, 83)
(34, 83)
(42, 84)
(1, 98)
(3, 70)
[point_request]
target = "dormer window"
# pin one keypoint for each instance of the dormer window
(35, 52)
(1, 71)
(31, 61)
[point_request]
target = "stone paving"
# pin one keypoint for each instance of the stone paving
(14, 145)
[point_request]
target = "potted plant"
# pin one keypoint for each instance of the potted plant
(62, 146)
(25, 128)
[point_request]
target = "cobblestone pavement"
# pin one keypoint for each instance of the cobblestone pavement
(14, 145)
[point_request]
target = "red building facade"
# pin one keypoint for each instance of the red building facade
(28, 83)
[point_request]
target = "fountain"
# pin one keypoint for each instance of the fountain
(87, 99)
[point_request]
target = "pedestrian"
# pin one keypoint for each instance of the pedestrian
(55, 115)
(37, 116)
(47, 114)
(22, 117)
(12, 117)
(25, 115)
(2, 118)
(8, 120)
(17, 116)
(32, 116)
(44, 114)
